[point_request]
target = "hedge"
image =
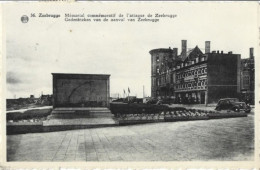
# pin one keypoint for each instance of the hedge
(29, 114)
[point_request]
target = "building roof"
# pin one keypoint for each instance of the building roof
(190, 54)
(161, 50)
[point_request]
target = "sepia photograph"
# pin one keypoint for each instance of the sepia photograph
(130, 82)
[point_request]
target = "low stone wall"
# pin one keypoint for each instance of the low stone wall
(24, 127)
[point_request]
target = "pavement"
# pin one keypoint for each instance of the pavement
(219, 139)
(81, 121)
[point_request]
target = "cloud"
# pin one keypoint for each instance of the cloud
(12, 78)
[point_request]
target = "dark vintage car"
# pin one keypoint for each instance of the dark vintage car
(151, 101)
(232, 104)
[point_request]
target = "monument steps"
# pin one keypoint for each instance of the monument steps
(71, 113)
(63, 118)
(82, 108)
(63, 111)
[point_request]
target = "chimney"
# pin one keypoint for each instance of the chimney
(221, 52)
(207, 47)
(184, 47)
(218, 51)
(175, 52)
(251, 53)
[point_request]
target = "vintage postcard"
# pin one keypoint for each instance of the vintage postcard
(102, 84)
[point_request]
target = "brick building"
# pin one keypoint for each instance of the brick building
(194, 76)
(248, 77)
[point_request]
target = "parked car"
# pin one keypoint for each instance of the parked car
(232, 104)
(151, 101)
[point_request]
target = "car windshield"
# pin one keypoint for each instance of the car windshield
(233, 100)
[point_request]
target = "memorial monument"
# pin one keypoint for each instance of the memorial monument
(80, 90)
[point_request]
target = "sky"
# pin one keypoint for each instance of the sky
(45, 45)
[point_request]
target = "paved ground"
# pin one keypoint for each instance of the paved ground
(219, 139)
(80, 121)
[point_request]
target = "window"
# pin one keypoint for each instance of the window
(157, 58)
(246, 81)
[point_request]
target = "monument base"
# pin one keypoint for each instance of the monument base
(89, 117)
(80, 112)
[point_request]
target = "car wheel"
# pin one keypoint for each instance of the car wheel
(217, 109)
(236, 109)
(248, 111)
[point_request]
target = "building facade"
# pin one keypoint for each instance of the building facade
(194, 76)
(80, 90)
(248, 77)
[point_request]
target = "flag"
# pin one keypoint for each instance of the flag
(124, 91)
(128, 90)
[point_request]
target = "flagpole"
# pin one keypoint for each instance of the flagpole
(143, 91)
(128, 93)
